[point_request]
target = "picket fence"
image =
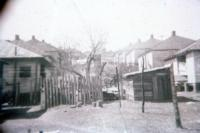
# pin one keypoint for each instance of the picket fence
(71, 90)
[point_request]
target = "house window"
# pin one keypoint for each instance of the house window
(42, 70)
(25, 72)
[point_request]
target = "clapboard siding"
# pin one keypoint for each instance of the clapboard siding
(156, 85)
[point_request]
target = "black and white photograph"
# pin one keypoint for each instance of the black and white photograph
(99, 66)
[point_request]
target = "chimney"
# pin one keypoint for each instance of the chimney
(17, 37)
(33, 37)
(151, 36)
(173, 33)
(43, 41)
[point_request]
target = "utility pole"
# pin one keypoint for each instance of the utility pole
(15, 79)
(174, 99)
(117, 74)
(142, 85)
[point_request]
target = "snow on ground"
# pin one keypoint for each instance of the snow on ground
(158, 118)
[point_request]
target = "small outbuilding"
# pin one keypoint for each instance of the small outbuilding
(157, 85)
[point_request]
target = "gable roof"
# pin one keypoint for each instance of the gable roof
(147, 45)
(34, 45)
(173, 44)
(134, 46)
(192, 47)
(10, 50)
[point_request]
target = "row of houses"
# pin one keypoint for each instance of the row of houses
(24, 63)
(182, 52)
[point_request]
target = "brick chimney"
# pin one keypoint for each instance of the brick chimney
(33, 37)
(17, 37)
(173, 33)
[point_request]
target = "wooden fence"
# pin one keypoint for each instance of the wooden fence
(69, 90)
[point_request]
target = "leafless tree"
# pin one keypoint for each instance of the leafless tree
(96, 46)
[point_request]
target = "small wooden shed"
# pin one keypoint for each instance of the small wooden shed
(156, 81)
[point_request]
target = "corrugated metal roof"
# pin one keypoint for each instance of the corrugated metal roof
(149, 70)
(10, 50)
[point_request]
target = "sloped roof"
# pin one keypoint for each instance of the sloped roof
(147, 45)
(10, 50)
(174, 42)
(127, 75)
(192, 47)
(40, 47)
(131, 47)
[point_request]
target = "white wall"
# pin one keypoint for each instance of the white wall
(197, 65)
(130, 58)
(26, 84)
(190, 67)
(148, 61)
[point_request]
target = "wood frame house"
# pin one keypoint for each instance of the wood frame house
(22, 72)
(46, 50)
(187, 64)
(156, 56)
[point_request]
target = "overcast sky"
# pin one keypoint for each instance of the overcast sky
(70, 22)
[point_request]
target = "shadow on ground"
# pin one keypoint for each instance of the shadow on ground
(19, 113)
(185, 99)
(181, 99)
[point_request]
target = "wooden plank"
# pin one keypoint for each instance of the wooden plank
(52, 92)
(48, 93)
(55, 91)
(84, 91)
(68, 90)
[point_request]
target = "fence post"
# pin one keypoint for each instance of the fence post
(17, 93)
(51, 91)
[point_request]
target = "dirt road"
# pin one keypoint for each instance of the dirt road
(158, 118)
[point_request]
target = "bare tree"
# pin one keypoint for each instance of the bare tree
(96, 46)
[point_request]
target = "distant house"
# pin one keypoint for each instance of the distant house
(119, 57)
(131, 55)
(139, 49)
(155, 57)
(22, 72)
(187, 64)
(108, 57)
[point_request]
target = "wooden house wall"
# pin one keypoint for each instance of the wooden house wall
(27, 84)
(156, 85)
(138, 88)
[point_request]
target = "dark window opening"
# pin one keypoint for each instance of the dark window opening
(189, 88)
(42, 71)
(25, 72)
